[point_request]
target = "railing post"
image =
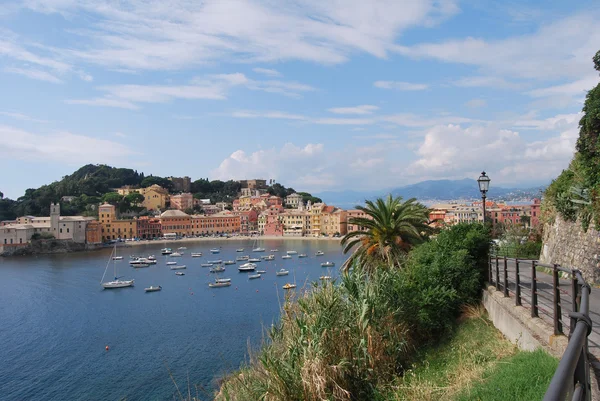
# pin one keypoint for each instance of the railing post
(534, 303)
(505, 277)
(489, 272)
(517, 284)
(574, 299)
(497, 275)
(557, 312)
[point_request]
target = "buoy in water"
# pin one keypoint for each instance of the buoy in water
(106, 348)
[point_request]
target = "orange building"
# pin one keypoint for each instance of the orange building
(112, 228)
(353, 214)
(93, 232)
(224, 222)
(176, 222)
(149, 227)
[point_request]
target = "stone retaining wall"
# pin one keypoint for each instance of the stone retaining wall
(568, 245)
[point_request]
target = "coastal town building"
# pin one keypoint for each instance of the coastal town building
(334, 221)
(93, 232)
(182, 201)
(176, 222)
(113, 228)
(355, 213)
(269, 222)
(149, 227)
(155, 196)
(181, 184)
(293, 201)
(224, 222)
(256, 184)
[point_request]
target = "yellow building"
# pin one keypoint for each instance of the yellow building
(111, 227)
(333, 221)
(315, 217)
(155, 196)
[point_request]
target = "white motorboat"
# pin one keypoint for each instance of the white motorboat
(229, 262)
(254, 260)
(217, 269)
(166, 251)
(215, 262)
(302, 255)
(259, 249)
(171, 263)
(116, 283)
(206, 264)
(282, 272)
(274, 250)
(319, 253)
(151, 257)
(240, 250)
(142, 261)
(327, 264)
(117, 258)
(196, 254)
(289, 286)
(223, 280)
(140, 265)
(176, 255)
(247, 267)
(261, 271)
(178, 267)
(292, 252)
(217, 284)
(182, 248)
(153, 288)
(242, 258)
(286, 257)
(268, 257)
(253, 276)
(215, 250)
(180, 274)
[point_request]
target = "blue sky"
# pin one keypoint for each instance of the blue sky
(319, 95)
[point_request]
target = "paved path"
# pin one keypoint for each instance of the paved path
(545, 299)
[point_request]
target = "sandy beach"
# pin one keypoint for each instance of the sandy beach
(236, 238)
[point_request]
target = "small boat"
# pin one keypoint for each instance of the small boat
(223, 280)
(229, 262)
(259, 249)
(289, 286)
(240, 250)
(274, 250)
(327, 264)
(196, 254)
(140, 265)
(206, 264)
(166, 251)
(282, 272)
(182, 248)
(116, 283)
(180, 274)
(286, 257)
(217, 269)
(261, 271)
(171, 263)
(215, 262)
(176, 255)
(319, 253)
(254, 260)
(292, 252)
(268, 257)
(153, 288)
(178, 267)
(247, 267)
(216, 284)
(151, 257)
(117, 258)
(325, 278)
(302, 255)
(242, 258)
(215, 250)
(142, 261)
(253, 276)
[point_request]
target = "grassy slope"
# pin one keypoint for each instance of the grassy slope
(476, 363)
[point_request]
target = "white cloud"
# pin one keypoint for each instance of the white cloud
(17, 144)
(575, 88)
(560, 49)
(476, 103)
(401, 86)
(280, 115)
(344, 121)
(558, 122)
(486, 81)
(38, 75)
(104, 102)
(363, 109)
(180, 34)
(267, 71)
(21, 116)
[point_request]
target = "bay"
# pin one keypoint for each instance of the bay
(55, 320)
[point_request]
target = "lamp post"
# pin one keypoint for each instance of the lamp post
(484, 185)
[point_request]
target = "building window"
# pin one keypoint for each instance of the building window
(61, 230)
(67, 230)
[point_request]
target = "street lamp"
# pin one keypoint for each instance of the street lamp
(484, 185)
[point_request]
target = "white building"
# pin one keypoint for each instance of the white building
(293, 200)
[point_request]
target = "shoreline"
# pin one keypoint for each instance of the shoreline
(236, 238)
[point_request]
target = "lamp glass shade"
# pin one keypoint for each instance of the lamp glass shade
(484, 182)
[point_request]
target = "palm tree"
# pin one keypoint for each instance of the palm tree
(392, 228)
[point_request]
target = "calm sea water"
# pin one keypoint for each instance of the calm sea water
(55, 320)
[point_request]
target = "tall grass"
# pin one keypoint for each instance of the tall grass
(348, 340)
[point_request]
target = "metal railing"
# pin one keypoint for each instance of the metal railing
(547, 300)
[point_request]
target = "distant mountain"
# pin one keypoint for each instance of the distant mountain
(466, 188)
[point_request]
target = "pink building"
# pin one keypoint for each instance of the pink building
(182, 201)
(535, 212)
(353, 214)
(270, 222)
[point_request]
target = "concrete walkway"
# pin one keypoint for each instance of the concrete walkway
(545, 300)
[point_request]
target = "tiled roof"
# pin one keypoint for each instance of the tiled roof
(174, 213)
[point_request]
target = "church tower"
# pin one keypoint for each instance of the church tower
(54, 218)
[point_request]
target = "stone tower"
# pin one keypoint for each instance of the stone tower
(54, 218)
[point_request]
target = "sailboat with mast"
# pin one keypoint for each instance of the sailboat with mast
(116, 283)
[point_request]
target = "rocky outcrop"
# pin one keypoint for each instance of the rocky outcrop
(567, 244)
(49, 246)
